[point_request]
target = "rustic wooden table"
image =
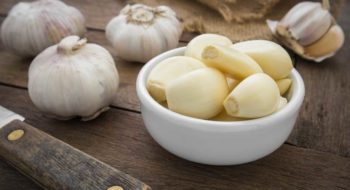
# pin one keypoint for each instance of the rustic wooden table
(316, 155)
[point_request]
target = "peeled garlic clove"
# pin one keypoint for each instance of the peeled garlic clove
(223, 116)
(30, 27)
(307, 22)
(282, 102)
(198, 94)
(141, 32)
(73, 78)
(256, 96)
(272, 58)
(167, 70)
(232, 83)
(197, 44)
(283, 85)
(328, 44)
(164, 104)
(230, 61)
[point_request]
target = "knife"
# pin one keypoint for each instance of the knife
(53, 164)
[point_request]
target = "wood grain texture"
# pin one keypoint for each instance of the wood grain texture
(9, 174)
(120, 139)
(324, 122)
(57, 165)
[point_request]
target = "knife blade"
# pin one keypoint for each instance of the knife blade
(54, 164)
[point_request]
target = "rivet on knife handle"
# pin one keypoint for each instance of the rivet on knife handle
(15, 135)
(115, 188)
(57, 165)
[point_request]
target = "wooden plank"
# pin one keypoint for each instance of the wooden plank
(119, 138)
(325, 117)
(11, 179)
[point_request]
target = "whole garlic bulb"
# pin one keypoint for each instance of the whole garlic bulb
(30, 27)
(73, 78)
(140, 32)
(307, 22)
(309, 30)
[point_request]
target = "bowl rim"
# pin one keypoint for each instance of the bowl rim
(146, 99)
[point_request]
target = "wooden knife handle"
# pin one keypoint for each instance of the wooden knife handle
(56, 165)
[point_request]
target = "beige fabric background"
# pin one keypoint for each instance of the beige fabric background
(237, 19)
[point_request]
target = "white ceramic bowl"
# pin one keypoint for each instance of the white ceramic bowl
(216, 142)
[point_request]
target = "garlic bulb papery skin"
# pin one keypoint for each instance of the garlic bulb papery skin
(73, 78)
(332, 41)
(140, 32)
(306, 22)
(30, 27)
(306, 28)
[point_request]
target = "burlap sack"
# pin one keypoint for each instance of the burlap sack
(237, 19)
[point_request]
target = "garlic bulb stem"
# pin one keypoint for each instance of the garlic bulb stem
(326, 5)
(144, 16)
(70, 44)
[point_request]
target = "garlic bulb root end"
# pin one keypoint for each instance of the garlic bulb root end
(96, 114)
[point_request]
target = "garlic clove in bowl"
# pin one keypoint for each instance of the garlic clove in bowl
(283, 85)
(30, 27)
(198, 94)
(271, 57)
(230, 61)
(166, 71)
(73, 78)
(141, 32)
(196, 46)
(256, 96)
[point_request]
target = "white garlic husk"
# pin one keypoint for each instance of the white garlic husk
(307, 22)
(140, 32)
(73, 78)
(306, 28)
(30, 27)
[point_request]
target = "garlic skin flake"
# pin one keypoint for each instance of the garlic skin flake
(73, 78)
(30, 27)
(140, 32)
